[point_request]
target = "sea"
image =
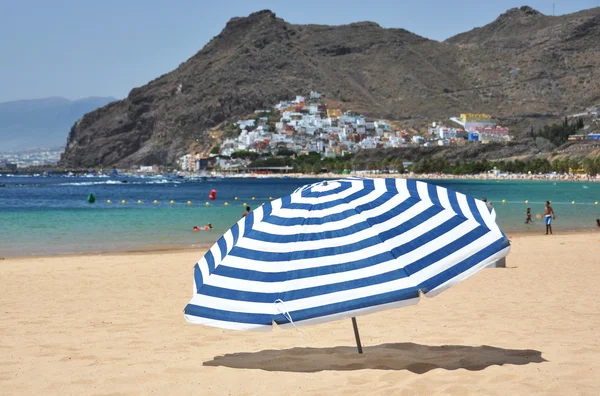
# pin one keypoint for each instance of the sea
(52, 216)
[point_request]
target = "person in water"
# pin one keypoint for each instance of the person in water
(489, 204)
(247, 212)
(528, 218)
(598, 223)
(549, 216)
(207, 227)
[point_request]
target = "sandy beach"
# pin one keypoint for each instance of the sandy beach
(113, 325)
(424, 176)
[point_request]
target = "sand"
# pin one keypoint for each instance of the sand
(113, 325)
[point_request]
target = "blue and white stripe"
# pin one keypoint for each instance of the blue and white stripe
(342, 248)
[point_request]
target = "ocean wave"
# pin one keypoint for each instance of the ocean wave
(162, 181)
(106, 182)
(90, 183)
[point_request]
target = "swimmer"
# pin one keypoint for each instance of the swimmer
(247, 212)
(528, 218)
(207, 227)
(598, 223)
(489, 204)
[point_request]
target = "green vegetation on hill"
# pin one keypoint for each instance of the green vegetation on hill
(312, 163)
(558, 134)
(536, 165)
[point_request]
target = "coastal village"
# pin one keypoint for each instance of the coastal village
(30, 158)
(307, 125)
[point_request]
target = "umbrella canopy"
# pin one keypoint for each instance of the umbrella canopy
(342, 248)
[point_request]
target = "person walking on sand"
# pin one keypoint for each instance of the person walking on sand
(247, 212)
(549, 216)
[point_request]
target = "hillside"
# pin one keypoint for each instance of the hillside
(513, 66)
(530, 63)
(26, 124)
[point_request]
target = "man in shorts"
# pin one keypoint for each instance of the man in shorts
(548, 217)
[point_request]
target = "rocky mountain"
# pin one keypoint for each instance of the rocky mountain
(522, 63)
(26, 124)
(529, 63)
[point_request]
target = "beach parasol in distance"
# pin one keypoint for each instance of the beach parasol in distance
(342, 248)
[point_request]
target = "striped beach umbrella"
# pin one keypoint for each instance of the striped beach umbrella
(342, 248)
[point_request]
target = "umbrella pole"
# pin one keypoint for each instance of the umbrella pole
(356, 335)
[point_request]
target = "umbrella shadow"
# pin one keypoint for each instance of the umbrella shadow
(416, 358)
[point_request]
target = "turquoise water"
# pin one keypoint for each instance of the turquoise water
(43, 216)
(579, 216)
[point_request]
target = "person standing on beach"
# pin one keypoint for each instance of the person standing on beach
(247, 212)
(549, 216)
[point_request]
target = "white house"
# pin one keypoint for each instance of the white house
(347, 130)
(311, 147)
(283, 104)
(418, 139)
(326, 122)
(368, 143)
(286, 116)
(311, 130)
(346, 119)
(185, 162)
(243, 124)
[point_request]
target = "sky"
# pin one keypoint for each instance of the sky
(81, 48)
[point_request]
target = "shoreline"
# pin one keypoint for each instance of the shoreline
(420, 176)
(583, 178)
(152, 249)
(202, 248)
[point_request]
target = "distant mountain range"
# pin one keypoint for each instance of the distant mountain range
(523, 64)
(26, 124)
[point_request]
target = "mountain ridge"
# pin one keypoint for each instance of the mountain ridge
(523, 62)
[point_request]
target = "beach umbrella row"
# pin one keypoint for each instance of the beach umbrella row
(342, 248)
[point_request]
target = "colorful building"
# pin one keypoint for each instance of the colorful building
(334, 113)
